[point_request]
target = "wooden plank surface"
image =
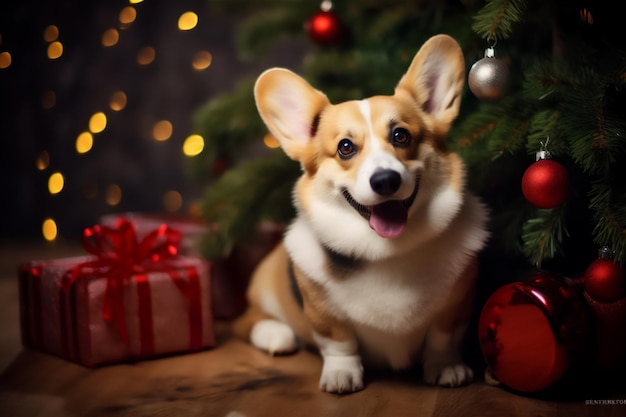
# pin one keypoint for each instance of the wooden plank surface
(235, 380)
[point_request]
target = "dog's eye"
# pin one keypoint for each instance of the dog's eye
(400, 137)
(346, 149)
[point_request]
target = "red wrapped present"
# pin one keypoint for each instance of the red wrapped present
(230, 274)
(130, 299)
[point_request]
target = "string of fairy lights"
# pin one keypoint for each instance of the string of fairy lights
(86, 139)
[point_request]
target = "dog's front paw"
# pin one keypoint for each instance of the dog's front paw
(274, 337)
(449, 375)
(342, 374)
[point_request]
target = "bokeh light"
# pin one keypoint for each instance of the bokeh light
(55, 50)
(162, 130)
(43, 160)
(84, 142)
(128, 15)
(193, 145)
(51, 33)
(97, 122)
(49, 229)
(110, 37)
(56, 182)
(5, 59)
(187, 21)
(146, 55)
(270, 141)
(202, 60)
(113, 195)
(118, 101)
(172, 201)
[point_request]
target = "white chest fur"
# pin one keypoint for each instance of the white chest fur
(398, 294)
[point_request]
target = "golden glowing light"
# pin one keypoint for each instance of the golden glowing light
(113, 195)
(84, 142)
(172, 201)
(97, 122)
(193, 145)
(586, 16)
(162, 130)
(128, 15)
(51, 33)
(202, 60)
(43, 160)
(56, 183)
(55, 50)
(110, 37)
(5, 59)
(146, 55)
(49, 229)
(135, 1)
(118, 101)
(48, 100)
(187, 21)
(270, 141)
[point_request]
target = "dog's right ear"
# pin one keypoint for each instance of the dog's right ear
(290, 108)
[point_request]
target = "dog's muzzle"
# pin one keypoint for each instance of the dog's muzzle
(389, 218)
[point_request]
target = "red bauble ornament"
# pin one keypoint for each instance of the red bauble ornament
(545, 183)
(604, 279)
(324, 28)
(531, 332)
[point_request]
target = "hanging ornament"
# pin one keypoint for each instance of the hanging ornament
(604, 280)
(324, 27)
(531, 332)
(489, 77)
(545, 182)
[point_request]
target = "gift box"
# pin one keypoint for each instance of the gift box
(230, 274)
(128, 300)
(192, 230)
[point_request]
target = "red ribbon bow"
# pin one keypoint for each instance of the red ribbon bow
(120, 257)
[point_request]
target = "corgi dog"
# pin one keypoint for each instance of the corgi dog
(379, 265)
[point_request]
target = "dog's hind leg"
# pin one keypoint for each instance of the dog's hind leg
(273, 322)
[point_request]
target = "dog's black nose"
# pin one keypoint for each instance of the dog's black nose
(385, 182)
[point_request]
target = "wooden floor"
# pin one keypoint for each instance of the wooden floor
(235, 380)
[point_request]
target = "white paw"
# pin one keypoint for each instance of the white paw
(341, 374)
(274, 337)
(449, 375)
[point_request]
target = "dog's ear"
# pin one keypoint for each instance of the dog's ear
(290, 107)
(435, 80)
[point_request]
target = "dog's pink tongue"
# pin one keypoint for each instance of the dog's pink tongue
(389, 219)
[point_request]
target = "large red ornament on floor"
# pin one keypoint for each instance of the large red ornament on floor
(324, 28)
(530, 332)
(545, 182)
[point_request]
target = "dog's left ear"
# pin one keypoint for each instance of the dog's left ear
(435, 81)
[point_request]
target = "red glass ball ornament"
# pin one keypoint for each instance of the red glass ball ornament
(324, 27)
(604, 281)
(545, 184)
(531, 332)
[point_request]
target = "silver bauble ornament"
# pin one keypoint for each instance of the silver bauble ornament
(488, 78)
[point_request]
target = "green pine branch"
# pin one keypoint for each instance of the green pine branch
(234, 205)
(496, 19)
(542, 235)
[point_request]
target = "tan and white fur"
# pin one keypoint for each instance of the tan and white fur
(384, 246)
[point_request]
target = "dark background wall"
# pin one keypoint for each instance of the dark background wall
(82, 81)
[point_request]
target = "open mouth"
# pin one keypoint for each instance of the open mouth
(388, 219)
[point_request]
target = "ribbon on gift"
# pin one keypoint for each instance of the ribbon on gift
(119, 258)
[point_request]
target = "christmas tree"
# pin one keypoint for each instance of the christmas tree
(561, 90)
